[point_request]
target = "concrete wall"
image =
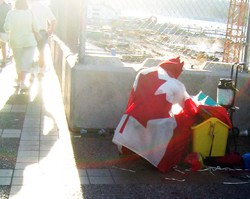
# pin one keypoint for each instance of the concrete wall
(96, 92)
(101, 87)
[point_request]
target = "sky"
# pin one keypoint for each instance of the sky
(214, 10)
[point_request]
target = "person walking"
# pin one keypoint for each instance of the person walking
(21, 25)
(46, 25)
(4, 9)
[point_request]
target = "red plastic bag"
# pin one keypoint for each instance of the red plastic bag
(194, 160)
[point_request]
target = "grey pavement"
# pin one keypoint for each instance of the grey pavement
(41, 158)
(43, 164)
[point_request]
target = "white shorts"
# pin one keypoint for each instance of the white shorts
(24, 58)
(3, 37)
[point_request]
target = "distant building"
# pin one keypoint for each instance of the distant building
(101, 14)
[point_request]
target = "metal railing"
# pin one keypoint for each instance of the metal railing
(200, 31)
(136, 30)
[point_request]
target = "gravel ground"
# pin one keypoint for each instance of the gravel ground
(8, 152)
(166, 191)
(9, 146)
(92, 150)
(10, 120)
(95, 151)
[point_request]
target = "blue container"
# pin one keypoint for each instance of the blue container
(206, 99)
(113, 51)
(246, 160)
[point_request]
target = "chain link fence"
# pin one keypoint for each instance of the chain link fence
(133, 30)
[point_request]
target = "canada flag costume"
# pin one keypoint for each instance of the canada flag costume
(148, 127)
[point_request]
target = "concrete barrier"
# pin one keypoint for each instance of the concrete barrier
(96, 92)
(101, 87)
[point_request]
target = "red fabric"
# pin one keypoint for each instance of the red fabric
(173, 67)
(181, 139)
(179, 143)
(217, 111)
(233, 158)
(144, 106)
(124, 124)
(194, 160)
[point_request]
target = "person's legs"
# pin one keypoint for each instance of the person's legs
(35, 65)
(17, 54)
(24, 59)
(3, 44)
(26, 63)
(41, 49)
(41, 62)
(3, 49)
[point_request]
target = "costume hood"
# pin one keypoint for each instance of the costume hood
(172, 66)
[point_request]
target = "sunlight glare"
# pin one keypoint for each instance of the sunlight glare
(48, 125)
(6, 85)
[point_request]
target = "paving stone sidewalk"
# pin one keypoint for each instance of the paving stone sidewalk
(36, 153)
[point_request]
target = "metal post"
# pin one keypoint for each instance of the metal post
(246, 54)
